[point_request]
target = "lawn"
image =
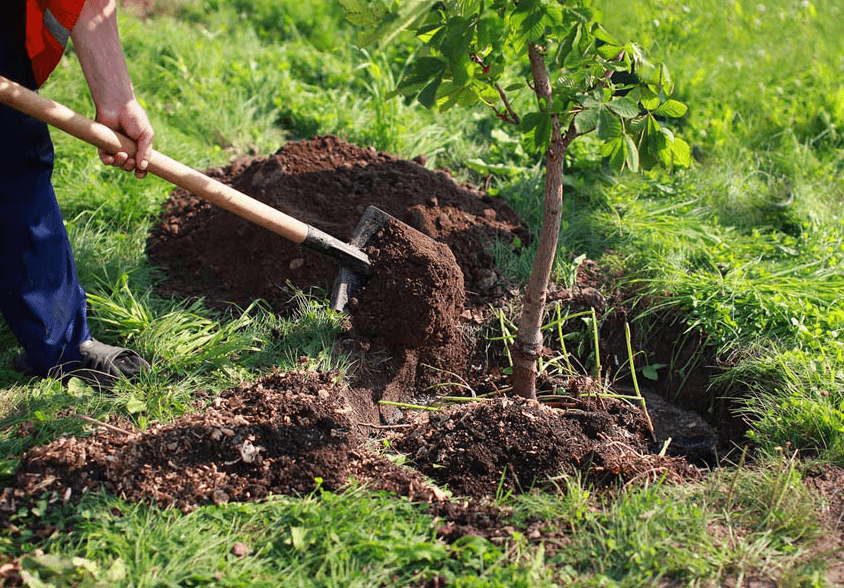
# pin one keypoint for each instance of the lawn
(745, 248)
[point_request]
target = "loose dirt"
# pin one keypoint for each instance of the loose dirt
(411, 273)
(210, 253)
(412, 329)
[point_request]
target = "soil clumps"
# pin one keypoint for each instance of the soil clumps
(209, 253)
(278, 435)
(415, 295)
(412, 329)
(281, 434)
(511, 444)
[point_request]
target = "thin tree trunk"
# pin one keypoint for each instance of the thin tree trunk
(528, 344)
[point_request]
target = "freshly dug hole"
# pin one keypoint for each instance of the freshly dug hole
(415, 294)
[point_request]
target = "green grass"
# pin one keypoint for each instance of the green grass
(748, 245)
(737, 524)
(749, 242)
(318, 540)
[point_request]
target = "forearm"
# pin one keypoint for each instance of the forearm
(97, 43)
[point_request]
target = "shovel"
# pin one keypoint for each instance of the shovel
(355, 266)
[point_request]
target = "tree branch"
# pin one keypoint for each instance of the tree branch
(510, 116)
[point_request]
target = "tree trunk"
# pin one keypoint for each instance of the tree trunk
(528, 344)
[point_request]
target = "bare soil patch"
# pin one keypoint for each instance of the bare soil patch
(326, 182)
(412, 327)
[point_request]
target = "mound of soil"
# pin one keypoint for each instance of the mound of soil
(431, 267)
(415, 295)
(511, 444)
(210, 253)
(276, 436)
(285, 431)
(411, 329)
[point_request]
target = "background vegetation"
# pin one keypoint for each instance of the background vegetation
(748, 245)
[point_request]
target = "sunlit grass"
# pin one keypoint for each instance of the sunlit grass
(747, 246)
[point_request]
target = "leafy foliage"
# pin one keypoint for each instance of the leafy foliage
(475, 52)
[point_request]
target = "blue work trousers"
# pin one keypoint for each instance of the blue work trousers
(40, 296)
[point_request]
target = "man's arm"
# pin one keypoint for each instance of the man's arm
(97, 43)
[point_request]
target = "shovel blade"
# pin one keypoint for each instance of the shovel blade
(349, 281)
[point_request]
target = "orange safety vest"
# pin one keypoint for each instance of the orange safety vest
(48, 26)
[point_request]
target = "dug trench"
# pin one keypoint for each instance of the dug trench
(417, 326)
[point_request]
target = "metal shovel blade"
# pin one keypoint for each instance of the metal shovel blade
(349, 281)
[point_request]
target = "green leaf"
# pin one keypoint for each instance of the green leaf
(117, 572)
(486, 93)
(654, 146)
(662, 148)
(570, 42)
(651, 372)
(553, 16)
(652, 125)
(49, 571)
(451, 95)
(604, 36)
(609, 125)
(456, 38)
(362, 13)
(616, 153)
(586, 120)
(428, 66)
(530, 121)
(665, 79)
(426, 33)
(529, 19)
(649, 99)
(637, 126)
(134, 405)
(485, 168)
(467, 96)
(420, 73)
(672, 109)
(610, 51)
(682, 153)
(388, 25)
(461, 68)
(539, 124)
(298, 538)
(77, 388)
(632, 160)
(647, 161)
(592, 100)
(428, 96)
(487, 28)
(624, 107)
(542, 133)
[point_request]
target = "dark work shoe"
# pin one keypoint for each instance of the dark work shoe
(102, 365)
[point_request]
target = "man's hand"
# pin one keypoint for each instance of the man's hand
(97, 43)
(132, 121)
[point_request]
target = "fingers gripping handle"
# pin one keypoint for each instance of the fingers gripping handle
(65, 119)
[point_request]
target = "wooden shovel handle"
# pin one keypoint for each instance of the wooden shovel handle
(55, 114)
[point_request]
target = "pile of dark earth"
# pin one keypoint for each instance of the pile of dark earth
(411, 329)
